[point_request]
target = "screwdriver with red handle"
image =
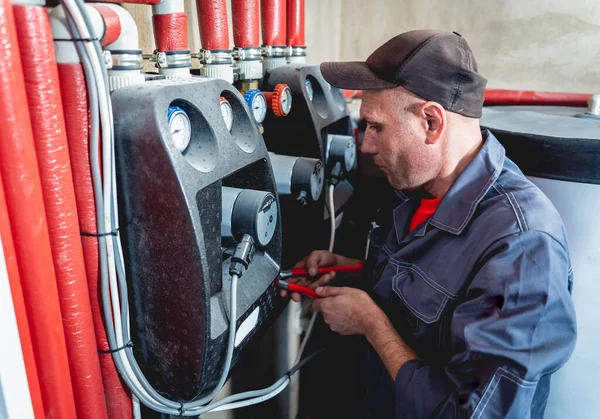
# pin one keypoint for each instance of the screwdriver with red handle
(309, 292)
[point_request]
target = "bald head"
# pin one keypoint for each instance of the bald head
(411, 139)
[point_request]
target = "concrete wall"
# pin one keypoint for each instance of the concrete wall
(535, 44)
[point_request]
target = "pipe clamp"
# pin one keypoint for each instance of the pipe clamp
(173, 59)
(215, 56)
(247, 54)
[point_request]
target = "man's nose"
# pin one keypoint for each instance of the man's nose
(368, 144)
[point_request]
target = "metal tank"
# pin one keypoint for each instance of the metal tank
(558, 148)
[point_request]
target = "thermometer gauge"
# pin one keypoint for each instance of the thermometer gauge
(227, 112)
(180, 127)
(280, 100)
(258, 104)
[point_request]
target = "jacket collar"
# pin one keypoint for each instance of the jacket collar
(458, 205)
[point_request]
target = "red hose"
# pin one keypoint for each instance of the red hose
(10, 257)
(295, 23)
(43, 96)
(112, 24)
(212, 19)
(170, 31)
(21, 181)
(75, 105)
(520, 97)
(273, 22)
(246, 31)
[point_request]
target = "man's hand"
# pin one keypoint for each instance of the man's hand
(315, 260)
(348, 311)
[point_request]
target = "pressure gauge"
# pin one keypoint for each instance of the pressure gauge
(309, 89)
(180, 127)
(280, 100)
(227, 112)
(341, 148)
(247, 211)
(258, 104)
(302, 177)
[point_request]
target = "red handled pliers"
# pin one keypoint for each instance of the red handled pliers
(309, 292)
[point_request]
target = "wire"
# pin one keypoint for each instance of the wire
(331, 217)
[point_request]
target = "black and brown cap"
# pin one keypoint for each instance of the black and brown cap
(436, 66)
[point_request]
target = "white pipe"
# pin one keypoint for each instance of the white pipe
(65, 50)
(166, 7)
(128, 40)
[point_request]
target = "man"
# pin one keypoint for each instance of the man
(469, 310)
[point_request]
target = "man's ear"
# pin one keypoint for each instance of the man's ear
(435, 120)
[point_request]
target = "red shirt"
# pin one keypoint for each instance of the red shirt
(425, 210)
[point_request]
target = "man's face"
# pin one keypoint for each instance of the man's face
(396, 137)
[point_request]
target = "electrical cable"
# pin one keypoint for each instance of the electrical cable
(331, 217)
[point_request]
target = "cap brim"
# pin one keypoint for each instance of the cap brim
(354, 75)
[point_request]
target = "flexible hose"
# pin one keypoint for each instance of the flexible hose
(42, 87)
(295, 23)
(21, 181)
(245, 17)
(213, 22)
(273, 18)
(10, 258)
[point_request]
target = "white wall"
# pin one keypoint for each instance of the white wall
(522, 44)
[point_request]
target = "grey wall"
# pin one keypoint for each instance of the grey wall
(521, 44)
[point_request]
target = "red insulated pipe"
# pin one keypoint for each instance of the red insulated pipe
(43, 96)
(75, 106)
(246, 31)
(212, 19)
(520, 97)
(170, 31)
(273, 22)
(295, 23)
(10, 257)
(21, 182)
(112, 24)
(517, 97)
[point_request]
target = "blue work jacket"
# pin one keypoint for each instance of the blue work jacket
(480, 291)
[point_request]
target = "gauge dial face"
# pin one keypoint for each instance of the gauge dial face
(180, 128)
(226, 112)
(309, 89)
(317, 181)
(286, 101)
(259, 107)
(350, 155)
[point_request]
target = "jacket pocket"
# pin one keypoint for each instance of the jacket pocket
(419, 295)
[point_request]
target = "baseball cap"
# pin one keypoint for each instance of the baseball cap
(434, 65)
